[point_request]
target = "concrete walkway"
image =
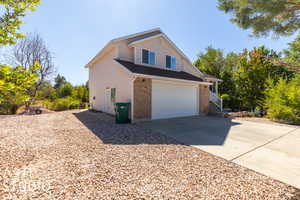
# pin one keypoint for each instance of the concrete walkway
(270, 149)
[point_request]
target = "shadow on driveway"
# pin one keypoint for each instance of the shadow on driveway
(189, 131)
(198, 130)
(105, 128)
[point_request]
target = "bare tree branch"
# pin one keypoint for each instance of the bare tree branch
(33, 49)
(281, 62)
(278, 61)
(30, 50)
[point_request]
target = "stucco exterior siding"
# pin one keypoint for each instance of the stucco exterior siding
(104, 74)
(187, 67)
(124, 52)
(161, 48)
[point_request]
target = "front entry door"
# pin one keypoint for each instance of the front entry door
(108, 103)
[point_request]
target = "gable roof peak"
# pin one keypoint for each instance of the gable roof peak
(137, 34)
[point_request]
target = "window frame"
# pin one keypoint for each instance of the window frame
(142, 55)
(154, 58)
(149, 51)
(113, 94)
(171, 58)
(168, 67)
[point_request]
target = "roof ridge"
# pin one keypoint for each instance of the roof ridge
(122, 38)
(136, 34)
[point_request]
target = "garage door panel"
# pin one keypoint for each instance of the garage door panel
(173, 100)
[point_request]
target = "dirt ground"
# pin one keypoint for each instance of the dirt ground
(85, 155)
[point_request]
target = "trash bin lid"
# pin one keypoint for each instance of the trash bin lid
(122, 103)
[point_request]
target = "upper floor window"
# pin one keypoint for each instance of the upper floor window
(170, 62)
(148, 57)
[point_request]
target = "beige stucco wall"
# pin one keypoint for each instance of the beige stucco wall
(161, 47)
(106, 73)
(187, 67)
(124, 52)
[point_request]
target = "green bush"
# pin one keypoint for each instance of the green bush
(226, 100)
(81, 92)
(8, 108)
(61, 104)
(283, 100)
(231, 102)
(65, 90)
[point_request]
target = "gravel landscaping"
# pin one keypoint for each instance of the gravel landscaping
(85, 155)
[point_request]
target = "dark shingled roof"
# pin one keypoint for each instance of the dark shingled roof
(142, 69)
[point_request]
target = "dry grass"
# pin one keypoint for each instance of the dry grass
(85, 155)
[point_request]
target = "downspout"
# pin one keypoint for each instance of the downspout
(132, 97)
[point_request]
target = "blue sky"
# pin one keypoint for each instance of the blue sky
(76, 30)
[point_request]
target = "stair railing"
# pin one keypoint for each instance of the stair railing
(216, 100)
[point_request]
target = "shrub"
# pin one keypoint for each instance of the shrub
(46, 92)
(61, 104)
(8, 108)
(65, 90)
(283, 100)
(81, 92)
(231, 102)
(226, 100)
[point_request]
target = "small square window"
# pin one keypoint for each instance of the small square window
(173, 63)
(151, 58)
(170, 62)
(148, 57)
(145, 56)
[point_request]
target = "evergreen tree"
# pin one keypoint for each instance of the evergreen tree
(292, 53)
(59, 81)
(263, 16)
(252, 74)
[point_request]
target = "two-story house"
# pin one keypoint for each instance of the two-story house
(149, 71)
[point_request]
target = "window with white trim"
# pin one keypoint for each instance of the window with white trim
(170, 62)
(148, 57)
(113, 95)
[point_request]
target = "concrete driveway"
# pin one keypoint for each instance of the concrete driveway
(270, 149)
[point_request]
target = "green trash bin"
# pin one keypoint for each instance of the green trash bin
(122, 113)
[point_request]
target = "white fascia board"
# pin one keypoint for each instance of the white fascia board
(98, 54)
(160, 35)
(171, 79)
(135, 35)
(213, 79)
(145, 39)
(181, 52)
(116, 40)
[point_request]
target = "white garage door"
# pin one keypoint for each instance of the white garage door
(171, 99)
